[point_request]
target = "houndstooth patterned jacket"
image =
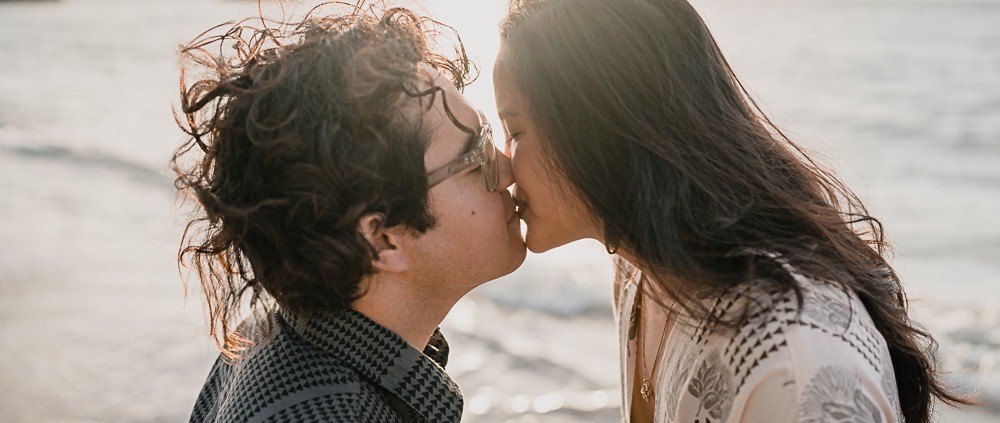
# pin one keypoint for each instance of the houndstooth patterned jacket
(341, 367)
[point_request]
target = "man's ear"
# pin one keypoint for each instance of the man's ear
(389, 256)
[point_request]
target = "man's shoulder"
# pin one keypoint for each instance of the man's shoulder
(286, 359)
(364, 404)
(286, 379)
(342, 402)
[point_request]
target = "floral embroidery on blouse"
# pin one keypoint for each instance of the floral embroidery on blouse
(835, 396)
(712, 384)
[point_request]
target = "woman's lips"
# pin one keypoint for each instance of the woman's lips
(516, 195)
(510, 207)
(519, 207)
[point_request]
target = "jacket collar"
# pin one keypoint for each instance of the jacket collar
(387, 359)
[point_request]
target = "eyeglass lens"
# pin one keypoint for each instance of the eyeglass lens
(489, 151)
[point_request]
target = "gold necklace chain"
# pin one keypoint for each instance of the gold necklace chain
(646, 390)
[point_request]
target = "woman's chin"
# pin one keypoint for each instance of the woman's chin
(540, 245)
(534, 244)
(538, 249)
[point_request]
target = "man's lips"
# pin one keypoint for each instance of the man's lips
(514, 208)
(519, 204)
(516, 215)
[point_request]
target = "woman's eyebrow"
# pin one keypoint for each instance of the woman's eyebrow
(504, 114)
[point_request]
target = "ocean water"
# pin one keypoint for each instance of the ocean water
(902, 98)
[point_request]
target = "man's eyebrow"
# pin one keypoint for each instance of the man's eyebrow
(504, 114)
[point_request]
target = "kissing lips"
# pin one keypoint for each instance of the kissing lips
(519, 204)
(510, 207)
(519, 207)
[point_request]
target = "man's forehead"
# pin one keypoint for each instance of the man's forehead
(447, 117)
(440, 106)
(433, 77)
(428, 95)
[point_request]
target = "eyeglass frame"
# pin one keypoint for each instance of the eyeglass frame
(484, 155)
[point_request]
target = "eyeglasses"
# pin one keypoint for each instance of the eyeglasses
(484, 154)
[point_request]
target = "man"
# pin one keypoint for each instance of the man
(348, 187)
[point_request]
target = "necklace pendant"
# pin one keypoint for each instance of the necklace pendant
(646, 391)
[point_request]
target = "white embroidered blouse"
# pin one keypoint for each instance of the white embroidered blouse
(825, 364)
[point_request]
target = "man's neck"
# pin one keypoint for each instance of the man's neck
(412, 315)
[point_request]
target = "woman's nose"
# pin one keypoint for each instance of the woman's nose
(506, 171)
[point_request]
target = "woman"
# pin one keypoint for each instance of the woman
(752, 284)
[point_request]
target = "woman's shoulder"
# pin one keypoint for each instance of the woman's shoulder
(797, 300)
(802, 344)
(786, 359)
(762, 312)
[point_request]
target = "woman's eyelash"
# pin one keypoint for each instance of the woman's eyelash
(512, 138)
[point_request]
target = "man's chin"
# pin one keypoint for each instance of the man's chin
(519, 259)
(514, 261)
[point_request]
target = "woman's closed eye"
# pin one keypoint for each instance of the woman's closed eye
(510, 143)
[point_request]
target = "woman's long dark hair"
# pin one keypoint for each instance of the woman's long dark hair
(642, 114)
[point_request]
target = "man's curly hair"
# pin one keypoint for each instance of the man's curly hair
(296, 130)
